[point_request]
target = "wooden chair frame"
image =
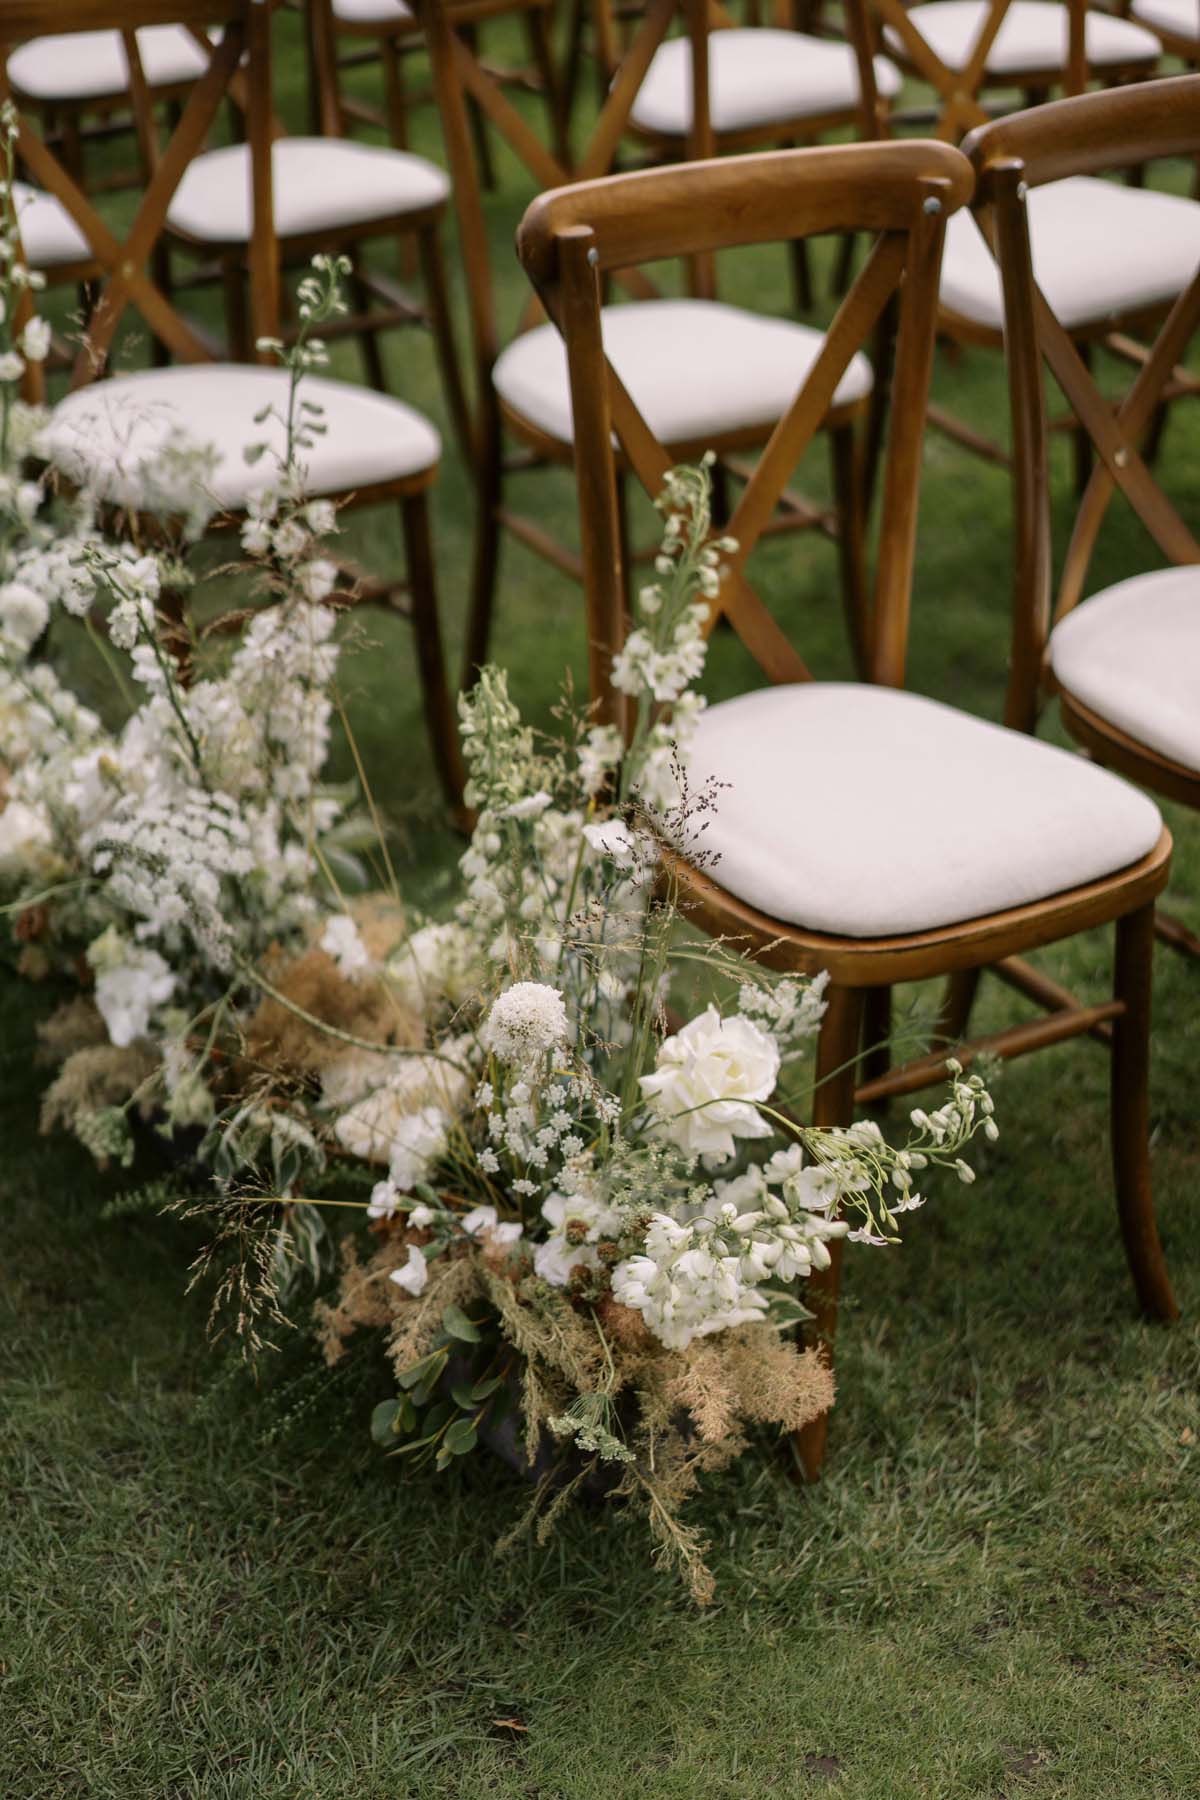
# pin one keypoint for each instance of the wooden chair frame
(379, 302)
(457, 76)
(900, 193)
(64, 122)
(335, 112)
(1089, 135)
(126, 284)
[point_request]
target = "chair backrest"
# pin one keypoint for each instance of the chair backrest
(459, 76)
(898, 194)
(1091, 134)
(238, 60)
(958, 84)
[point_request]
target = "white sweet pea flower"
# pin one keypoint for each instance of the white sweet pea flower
(131, 983)
(415, 1273)
(480, 1218)
(707, 1078)
(385, 1197)
(529, 806)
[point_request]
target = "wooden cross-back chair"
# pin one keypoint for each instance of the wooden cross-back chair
(1126, 664)
(1175, 23)
(1040, 45)
(389, 32)
(964, 49)
(331, 196)
(749, 363)
(834, 843)
(109, 433)
(78, 86)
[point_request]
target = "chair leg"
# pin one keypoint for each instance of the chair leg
(489, 485)
(1132, 977)
(833, 1104)
(954, 1016)
(396, 99)
(433, 270)
(542, 51)
(876, 1031)
(851, 541)
(368, 337)
(431, 662)
(1081, 442)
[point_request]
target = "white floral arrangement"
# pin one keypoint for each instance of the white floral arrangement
(584, 1217)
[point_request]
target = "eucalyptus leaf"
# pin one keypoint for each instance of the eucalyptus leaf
(456, 1323)
(482, 1389)
(460, 1438)
(383, 1420)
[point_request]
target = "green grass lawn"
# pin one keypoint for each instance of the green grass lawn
(214, 1588)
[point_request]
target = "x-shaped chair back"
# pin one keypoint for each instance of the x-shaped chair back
(958, 90)
(1089, 135)
(245, 33)
(900, 195)
(458, 73)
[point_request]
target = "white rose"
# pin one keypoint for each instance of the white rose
(707, 1077)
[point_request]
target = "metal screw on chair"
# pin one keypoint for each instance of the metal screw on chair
(1022, 189)
(593, 256)
(1120, 457)
(932, 205)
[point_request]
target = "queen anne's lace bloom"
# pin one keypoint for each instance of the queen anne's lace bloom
(525, 1022)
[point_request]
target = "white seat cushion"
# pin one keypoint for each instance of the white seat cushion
(695, 369)
(755, 77)
(91, 65)
(1074, 226)
(867, 812)
(1178, 18)
(49, 235)
(1132, 654)
(107, 435)
(372, 12)
(1033, 36)
(319, 183)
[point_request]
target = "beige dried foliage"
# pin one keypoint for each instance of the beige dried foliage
(416, 1323)
(277, 1039)
(362, 1302)
(701, 1385)
(777, 1382)
(76, 1025)
(541, 1323)
(101, 1075)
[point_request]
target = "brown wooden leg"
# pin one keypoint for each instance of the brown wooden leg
(237, 323)
(433, 270)
(1081, 442)
(802, 287)
(489, 484)
(1132, 979)
(395, 98)
(852, 531)
(1170, 930)
(431, 662)
(954, 1016)
(876, 1031)
(833, 1104)
(542, 51)
(368, 337)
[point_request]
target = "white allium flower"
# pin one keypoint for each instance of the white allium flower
(415, 1273)
(525, 1021)
(341, 940)
(706, 1080)
(12, 366)
(256, 537)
